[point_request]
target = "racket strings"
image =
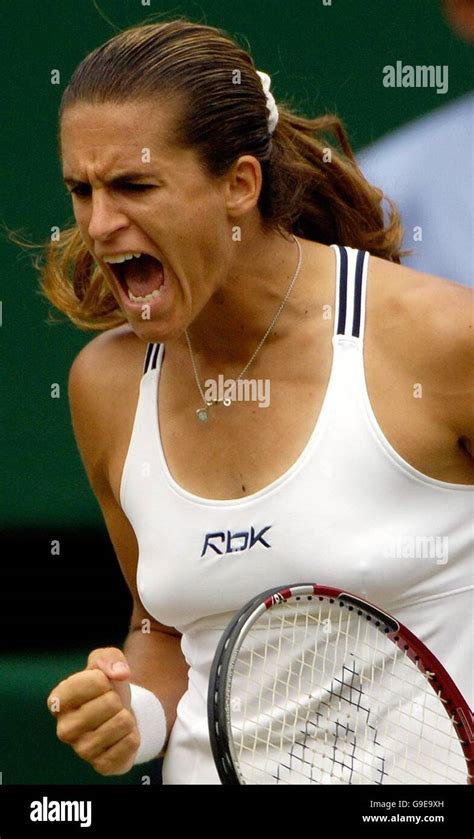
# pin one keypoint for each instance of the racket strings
(320, 695)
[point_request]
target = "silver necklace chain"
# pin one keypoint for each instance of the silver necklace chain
(202, 413)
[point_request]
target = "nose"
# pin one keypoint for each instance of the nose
(106, 218)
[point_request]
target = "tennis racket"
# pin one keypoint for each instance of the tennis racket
(312, 685)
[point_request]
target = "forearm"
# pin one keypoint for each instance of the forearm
(157, 663)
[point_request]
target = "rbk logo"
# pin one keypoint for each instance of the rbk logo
(228, 542)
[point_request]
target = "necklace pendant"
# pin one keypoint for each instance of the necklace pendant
(202, 414)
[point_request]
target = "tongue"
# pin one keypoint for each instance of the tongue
(143, 275)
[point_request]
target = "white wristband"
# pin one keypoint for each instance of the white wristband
(151, 723)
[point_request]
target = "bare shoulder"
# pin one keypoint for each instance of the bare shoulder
(102, 355)
(104, 381)
(420, 326)
(430, 315)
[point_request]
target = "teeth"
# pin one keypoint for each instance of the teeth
(122, 257)
(155, 293)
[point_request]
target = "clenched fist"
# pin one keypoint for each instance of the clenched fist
(93, 712)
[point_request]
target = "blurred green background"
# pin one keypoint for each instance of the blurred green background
(55, 609)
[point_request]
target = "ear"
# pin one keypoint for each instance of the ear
(243, 186)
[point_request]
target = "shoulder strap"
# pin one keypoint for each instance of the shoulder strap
(151, 357)
(351, 284)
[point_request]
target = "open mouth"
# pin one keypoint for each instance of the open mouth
(141, 278)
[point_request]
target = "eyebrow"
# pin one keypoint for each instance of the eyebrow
(115, 179)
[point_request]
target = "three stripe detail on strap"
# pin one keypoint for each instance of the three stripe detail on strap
(352, 328)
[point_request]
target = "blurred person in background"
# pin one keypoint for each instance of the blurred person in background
(427, 168)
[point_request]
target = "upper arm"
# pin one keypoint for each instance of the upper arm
(430, 330)
(456, 342)
(90, 405)
(125, 545)
(445, 330)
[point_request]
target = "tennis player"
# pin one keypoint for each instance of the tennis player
(273, 398)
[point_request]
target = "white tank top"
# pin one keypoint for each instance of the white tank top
(350, 512)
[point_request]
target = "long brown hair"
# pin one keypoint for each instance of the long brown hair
(309, 188)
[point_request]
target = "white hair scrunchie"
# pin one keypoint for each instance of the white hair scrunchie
(271, 104)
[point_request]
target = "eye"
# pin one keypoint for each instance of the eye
(129, 187)
(81, 190)
(84, 190)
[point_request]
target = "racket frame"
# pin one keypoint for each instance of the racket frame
(233, 636)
